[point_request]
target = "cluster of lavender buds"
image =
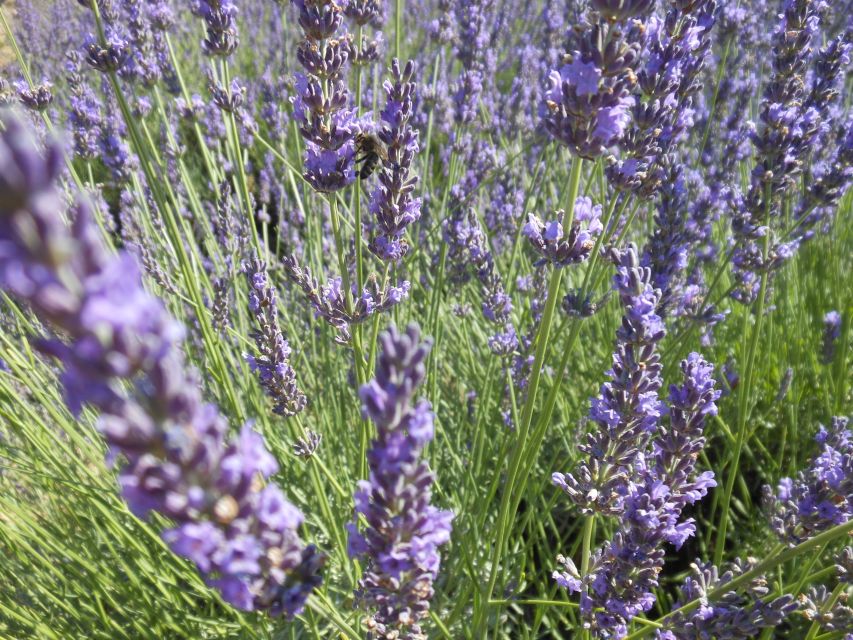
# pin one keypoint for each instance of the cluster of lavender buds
(403, 530)
(627, 408)
(623, 573)
(831, 333)
(108, 56)
(329, 300)
(176, 458)
(830, 612)
(321, 104)
(735, 615)
(363, 13)
(676, 49)
(272, 364)
(392, 202)
(587, 103)
(789, 127)
(549, 240)
(220, 20)
(822, 495)
(36, 99)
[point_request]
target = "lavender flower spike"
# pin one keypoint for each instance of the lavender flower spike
(627, 408)
(391, 201)
(273, 362)
(624, 572)
(403, 533)
(321, 104)
(240, 532)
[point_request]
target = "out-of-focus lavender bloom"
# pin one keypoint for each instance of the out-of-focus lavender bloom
(737, 614)
(831, 333)
(822, 495)
(844, 565)
(220, 19)
(321, 103)
(468, 252)
(362, 13)
(392, 202)
(623, 573)
(627, 408)
(676, 237)
(550, 241)
(109, 56)
(404, 531)
(329, 302)
(306, 446)
(241, 535)
(84, 116)
(789, 128)
(36, 99)
(272, 364)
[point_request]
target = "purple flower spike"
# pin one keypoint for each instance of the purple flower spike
(392, 202)
(664, 481)
(627, 408)
(239, 530)
(831, 333)
(737, 614)
(403, 533)
(220, 18)
(272, 364)
(320, 104)
(587, 103)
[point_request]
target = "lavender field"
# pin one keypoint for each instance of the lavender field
(435, 320)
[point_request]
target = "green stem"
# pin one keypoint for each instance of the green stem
(542, 338)
(743, 405)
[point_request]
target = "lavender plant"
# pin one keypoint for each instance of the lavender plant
(573, 198)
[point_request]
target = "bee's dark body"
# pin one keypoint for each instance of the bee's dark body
(370, 151)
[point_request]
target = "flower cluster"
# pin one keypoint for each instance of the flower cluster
(392, 202)
(403, 530)
(789, 127)
(363, 13)
(36, 99)
(822, 495)
(468, 252)
(623, 573)
(734, 615)
(587, 103)
(220, 19)
(627, 408)
(549, 239)
(329, 300)
(321, 104)
(272, 364)
(675, 49)
(177, 460)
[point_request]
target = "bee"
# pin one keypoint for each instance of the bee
(369, 150)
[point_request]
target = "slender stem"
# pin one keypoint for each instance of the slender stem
(743, 402)
(519, 451)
